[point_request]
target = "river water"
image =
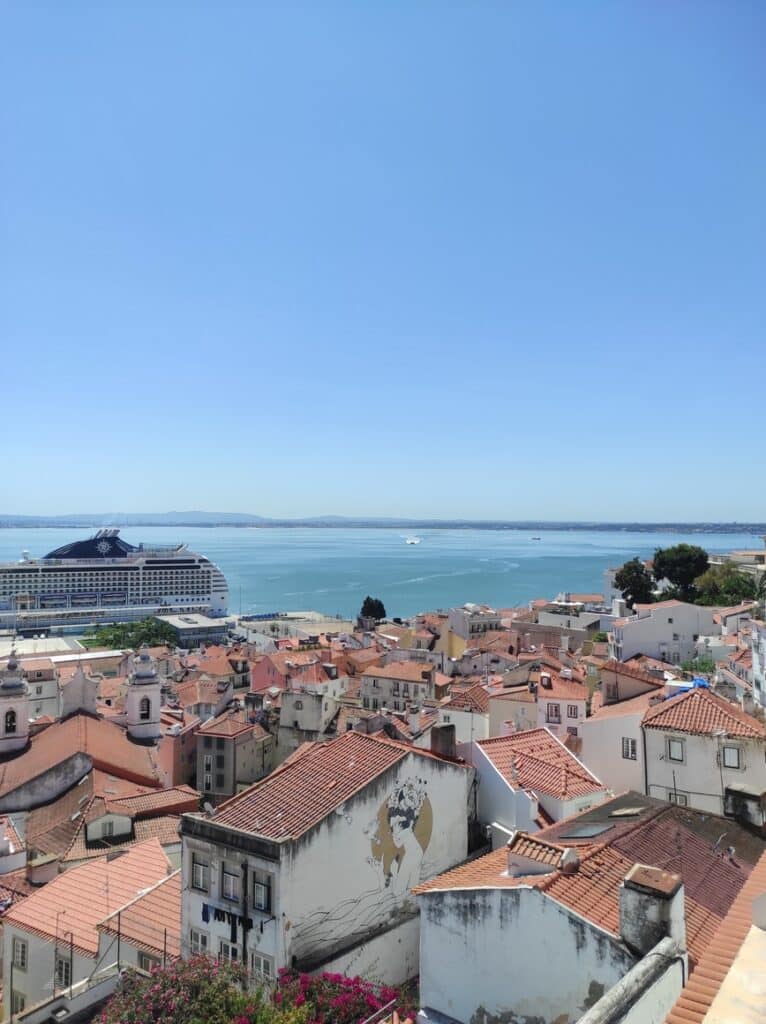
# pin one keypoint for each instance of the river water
(331, 570)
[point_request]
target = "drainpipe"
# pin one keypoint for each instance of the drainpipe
(244, 913)
(646, 766)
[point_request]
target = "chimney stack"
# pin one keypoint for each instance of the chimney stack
(413, 718)
(651, 907)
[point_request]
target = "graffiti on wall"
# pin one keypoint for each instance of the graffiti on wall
(400, 835)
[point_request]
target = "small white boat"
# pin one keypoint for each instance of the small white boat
(412, 540)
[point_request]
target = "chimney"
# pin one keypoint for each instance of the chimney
(651, 907)
(443, 741)
(413, 718)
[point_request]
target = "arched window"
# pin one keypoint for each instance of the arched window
(10, 721)
(144, 709)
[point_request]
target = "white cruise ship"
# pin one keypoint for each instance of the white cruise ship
(105, 579)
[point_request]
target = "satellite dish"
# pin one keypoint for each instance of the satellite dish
(208, 808)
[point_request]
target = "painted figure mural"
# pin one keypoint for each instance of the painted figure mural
(401, 835)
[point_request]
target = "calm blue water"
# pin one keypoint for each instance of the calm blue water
(331, 570)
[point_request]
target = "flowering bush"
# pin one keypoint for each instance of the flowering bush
(204, 991)
(335, 998)
(195, 991)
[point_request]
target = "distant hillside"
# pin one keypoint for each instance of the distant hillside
(194, 518)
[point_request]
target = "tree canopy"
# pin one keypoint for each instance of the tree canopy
(681, 565)
(373, 608)
(725, 585)
(635, 582)
(150, 632)
(205, 991)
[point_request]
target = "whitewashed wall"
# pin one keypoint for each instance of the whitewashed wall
(512, 953)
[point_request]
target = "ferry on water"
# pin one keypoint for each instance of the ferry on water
(106, 579)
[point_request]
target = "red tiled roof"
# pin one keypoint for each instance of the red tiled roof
(623, 668)
(79, 899)
(536, 760)
(105, 743)
(404, 671)
(701, 712)
(163, 828)
(660, 836)
(232, 723)
(174, 800)
(299, 794)
(637, 705)
(475, 698)
(702, 987)
(152, 922)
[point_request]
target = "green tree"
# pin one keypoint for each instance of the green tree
(150, 632)
(372, 608)
(635, 583)
(725, 585)
(681, 565)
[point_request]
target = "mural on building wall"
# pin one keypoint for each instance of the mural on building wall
(400, 835)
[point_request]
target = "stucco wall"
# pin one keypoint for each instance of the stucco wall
(699, 776)
(601, 751)
(48, 785)
(393, 956)
(513, 953)
(351, 876)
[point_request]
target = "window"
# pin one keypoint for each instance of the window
(18, 1002)
(229, 884)
(227, 951)
(571, 730)
(208, 762)
(678, 798)
(365, 702)
(38, 690)
(262, 891)
(571, 711)
(197, 941)
(20, 954)
(200, 873)
(207, 742)
(220, 782)
(374, 703)
(628, 748)
(147, 963)
(219, 744)
(298, 705)
(553, 713)
(261, 965)
(208, 783)
(670, 622)
(63, 972)
(107, 829)
(395, 689)
(675, 636)
(219, 760)
(145, 709)
(10, 721)
(611, 691)
(732, 757)
(675, 750)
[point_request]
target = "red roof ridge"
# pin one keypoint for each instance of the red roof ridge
(683, 713)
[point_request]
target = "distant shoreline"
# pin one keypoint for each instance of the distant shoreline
(336, 523)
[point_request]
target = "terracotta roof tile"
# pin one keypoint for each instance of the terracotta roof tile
(298, 795)
(475, 698)
(660, 835)
(700, 712)
(79, 899)
(536, 760)
(232, 723)
(404, 671)
(152, 922)
(703, 985)
(163, 828)
(624, 668)
(105, 743)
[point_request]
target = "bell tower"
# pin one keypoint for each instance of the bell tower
(143, 700)
(14, 707)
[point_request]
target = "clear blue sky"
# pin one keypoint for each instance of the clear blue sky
(483, 260)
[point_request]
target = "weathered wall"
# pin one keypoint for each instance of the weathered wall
(699, 777)
(48, 786)
(354, 873)
(393, 956)
(513, 953)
